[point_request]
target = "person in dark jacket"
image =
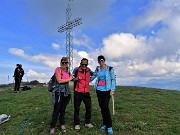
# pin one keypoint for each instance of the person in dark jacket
(82, 76)
(18, 74)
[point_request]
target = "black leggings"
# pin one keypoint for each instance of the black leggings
(103, 99)
(17, 84)
(59, 108)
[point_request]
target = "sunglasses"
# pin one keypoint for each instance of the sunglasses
(64, 63)
(84, 65)
(101, 60)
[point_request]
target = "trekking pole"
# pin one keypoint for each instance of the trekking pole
(112, 96)
(22, 126)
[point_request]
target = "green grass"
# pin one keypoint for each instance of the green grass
(139, 111)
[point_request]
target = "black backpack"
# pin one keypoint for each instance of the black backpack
(53, 83)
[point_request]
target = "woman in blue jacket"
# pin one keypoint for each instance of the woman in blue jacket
(105, 87)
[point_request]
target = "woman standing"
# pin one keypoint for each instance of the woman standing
(105, 87)
(18, 74)
(62, 95)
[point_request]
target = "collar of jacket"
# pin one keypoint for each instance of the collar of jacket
(80, 69)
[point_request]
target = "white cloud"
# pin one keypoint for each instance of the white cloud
(17, 52)
(162, 17)
(156, 68)
(83, 54)
(55, 46)
(41, 77)
(121, 45)
(127, 72)
(78, 55)
(34, 74)
(47, 59)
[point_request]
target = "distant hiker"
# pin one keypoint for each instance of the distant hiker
(18, 74)
(62, 95)
(105, 87)
(82, 76)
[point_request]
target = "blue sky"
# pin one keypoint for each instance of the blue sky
(139, 38)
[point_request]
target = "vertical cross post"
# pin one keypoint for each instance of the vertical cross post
(68, 26)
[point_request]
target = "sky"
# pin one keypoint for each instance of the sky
(139, 38)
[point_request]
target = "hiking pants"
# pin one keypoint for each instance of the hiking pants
(78, 98)
(59, 108)
(17, 84)
(103, 99)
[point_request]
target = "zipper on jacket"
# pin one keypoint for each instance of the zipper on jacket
(85, 80)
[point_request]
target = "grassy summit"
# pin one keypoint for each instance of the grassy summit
(138, 111)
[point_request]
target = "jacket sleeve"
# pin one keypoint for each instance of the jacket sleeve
(113, 80)
(74, 73)
(94, 75)
(91, 72)
(15, 72)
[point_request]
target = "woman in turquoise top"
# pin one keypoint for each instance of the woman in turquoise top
(105, 87)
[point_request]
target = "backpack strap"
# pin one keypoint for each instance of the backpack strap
(97, 68)
(76, 72)
(110, 68)
(55, 75)
(60, 71)
(75, 75)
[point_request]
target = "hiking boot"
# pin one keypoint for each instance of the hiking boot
(63, 128)
(103, 127)
(52, 131)
(110, 131)
(77, 127)
(89, 125)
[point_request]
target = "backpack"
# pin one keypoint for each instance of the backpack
(24, 88)
(53, 83)
(21, 73)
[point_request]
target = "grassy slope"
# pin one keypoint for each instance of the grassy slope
(139, 111)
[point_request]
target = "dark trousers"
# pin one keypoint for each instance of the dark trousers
(17, 84)
(59, 109)
(103, 99)
(78, 98)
